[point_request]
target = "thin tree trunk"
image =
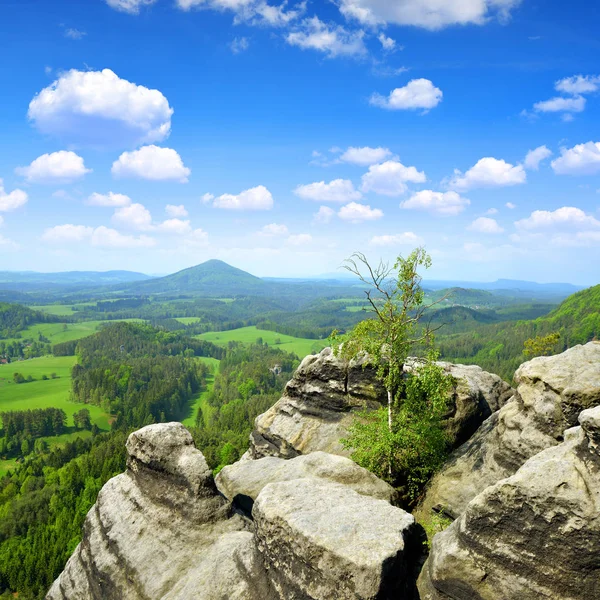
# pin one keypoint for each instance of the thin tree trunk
(390, 399)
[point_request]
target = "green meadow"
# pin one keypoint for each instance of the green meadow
(188, 320)
(60, 310)
(248, 335)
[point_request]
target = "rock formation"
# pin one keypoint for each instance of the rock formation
(533, 536)
(161, 531)
(551, 393)
(320, 401)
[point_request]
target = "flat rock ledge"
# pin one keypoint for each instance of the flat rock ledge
(162, 531)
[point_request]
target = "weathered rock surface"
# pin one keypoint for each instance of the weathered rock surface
(323, 540)
(162, 527)
(551, 392)
(243, 481)
(532, 536)
(161, 531)
(319, 404)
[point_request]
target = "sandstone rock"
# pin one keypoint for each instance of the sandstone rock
(532, 536)
(551, 393)
(243, 481)
(157, 530)
(319, 404)
(322, 540)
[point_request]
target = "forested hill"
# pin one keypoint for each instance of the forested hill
(499, 347)
(211, 278)
(15, 318)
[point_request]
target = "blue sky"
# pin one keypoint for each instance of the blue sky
(152, 135)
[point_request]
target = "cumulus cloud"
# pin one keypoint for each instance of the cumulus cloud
(566, 216)
(175, 227)
(274, 229)
(388, 43)
(408, 238)
(104, 237)
(135, 216)
(98, 108)
(365, 156)
(489, 172)
(416, 94)
(174, 210)
(111, 200)
(390, 178)
(153, 163)
(67, 233)
(446, 204)
(429, 14)
(58, 167)
(256, 198)
(332, 40)
(535, 157)
(323, 215)
(207, 198)
(582, 159)
(357, 213)
(510, 205)
(198, 238)
(338, 190)
(255, 12)
(11, 200)
(578, 84)
(485, 225)
(74, 34)
(132, 7)
(300, 239)
(575, 104)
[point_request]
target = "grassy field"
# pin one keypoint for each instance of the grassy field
(57, 332)
(188, 320)
(44, 394)
(248, 335)
(60, 310)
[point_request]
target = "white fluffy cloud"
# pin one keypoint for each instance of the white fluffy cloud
(274, 229)
(489, 172)
(485, 225)
(408, 238)
(535, 157)
(510, 205)
(574, 104)
(357, 213)
(104, 237)
(175, 227)
(338, 190)
(566, 216)
(11, 201)
(151, 162)
(132, 7)
(582, 159)
(256, 198)
(135, 216)
(416, 94)
(67, 234)
(98, 108)
(390, 178)
(111, 200)
(198, 238)
(429, 14)
(58, 167)
(323, 215)
(176, 210)
(578, 84)
(365, 156)
(388, 43)
(331, 40)
(239, 45)
(446, 204)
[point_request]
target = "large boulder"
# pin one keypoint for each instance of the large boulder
(532, 536)
(551, 392)
(243, 481)
(323, 540)
(160, 528)
(320, 402)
